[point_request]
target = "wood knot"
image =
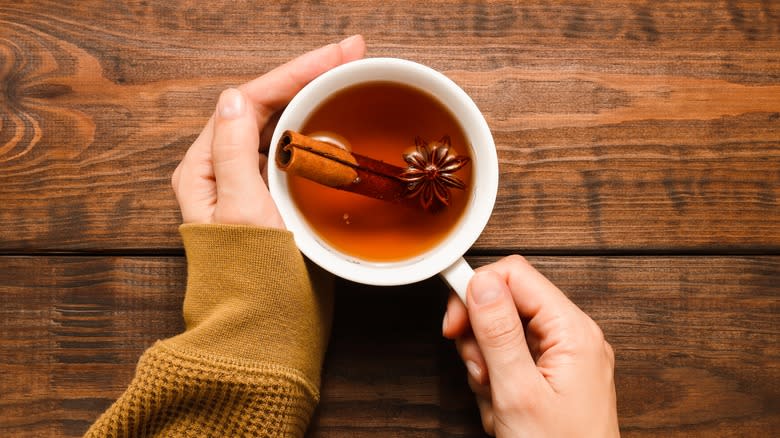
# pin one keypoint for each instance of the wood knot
(46, 91)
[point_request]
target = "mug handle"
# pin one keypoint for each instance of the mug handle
(458, 276)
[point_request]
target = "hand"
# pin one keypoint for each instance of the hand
(537, 364)
(219, 180)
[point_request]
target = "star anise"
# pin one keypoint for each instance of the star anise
(430, 171)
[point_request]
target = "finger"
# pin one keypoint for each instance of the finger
(200, 150)
(175, 178)
(479, 389)
(274, 90)
(195, 191)
(291, 77)
(536, 298)
(242, 197)
(486, 414)
(192, 176)
(610, 352)
(456, 318)
(469, 352)
(499, 332)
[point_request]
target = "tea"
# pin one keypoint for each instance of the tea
(381, 120)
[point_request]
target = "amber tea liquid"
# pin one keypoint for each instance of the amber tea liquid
(380, 120)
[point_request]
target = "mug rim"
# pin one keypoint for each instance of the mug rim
(484, 185)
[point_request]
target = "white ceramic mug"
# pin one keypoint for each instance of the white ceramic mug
(446, 258)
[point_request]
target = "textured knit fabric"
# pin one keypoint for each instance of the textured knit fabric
(248, 363)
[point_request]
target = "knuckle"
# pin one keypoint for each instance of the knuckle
(501, 330)
(610, 353)
(517, 259)
(597, 338)
(510, 402)
(598, 334)
(175, 178)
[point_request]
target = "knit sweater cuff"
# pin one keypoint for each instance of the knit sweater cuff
(252, 300)
(180, 393)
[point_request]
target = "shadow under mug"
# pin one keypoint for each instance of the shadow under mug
(446, 258)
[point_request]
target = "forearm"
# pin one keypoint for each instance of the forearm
(249, 360)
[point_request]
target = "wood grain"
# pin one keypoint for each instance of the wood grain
(620, 126)
(696, 341)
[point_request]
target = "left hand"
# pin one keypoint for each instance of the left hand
(219, 180)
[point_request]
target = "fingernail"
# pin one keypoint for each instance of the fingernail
(474, 370)
(444, 323)
(486, 287)
(349, 40)
(231, 104)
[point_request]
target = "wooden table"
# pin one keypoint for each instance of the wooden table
(639, 146)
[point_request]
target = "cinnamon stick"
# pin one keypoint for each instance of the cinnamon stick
(330, 165)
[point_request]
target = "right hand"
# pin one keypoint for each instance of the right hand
(538, 365)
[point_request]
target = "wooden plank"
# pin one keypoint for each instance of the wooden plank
(72, 330)
(696, 340)
(628, 126)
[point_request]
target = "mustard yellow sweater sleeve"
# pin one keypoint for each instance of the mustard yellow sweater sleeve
(248, 363)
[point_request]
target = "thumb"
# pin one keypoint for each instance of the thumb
(242, 196)
(499, 332)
